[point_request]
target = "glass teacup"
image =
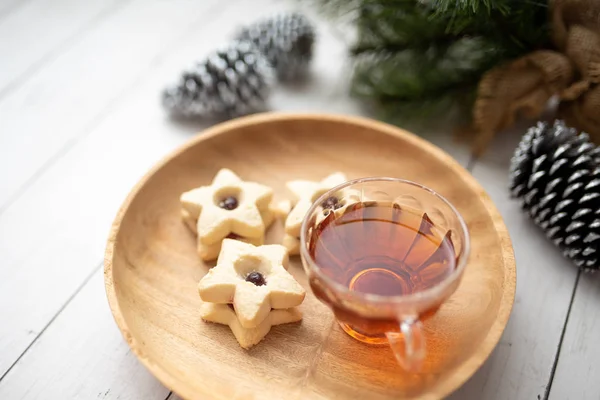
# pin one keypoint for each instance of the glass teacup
(384, 254)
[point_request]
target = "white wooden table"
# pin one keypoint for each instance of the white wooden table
(80, 122)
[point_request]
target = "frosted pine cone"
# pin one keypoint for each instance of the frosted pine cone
(233, 81)
(555, 172)
(286, 40)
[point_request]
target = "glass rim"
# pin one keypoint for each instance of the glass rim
(433, 291)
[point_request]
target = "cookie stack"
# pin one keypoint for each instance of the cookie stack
(227, 208)
(250, 290)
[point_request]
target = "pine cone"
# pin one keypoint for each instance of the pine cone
(286, 40)
(231, 82)
(556, 174)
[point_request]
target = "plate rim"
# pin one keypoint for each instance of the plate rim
(461, 374)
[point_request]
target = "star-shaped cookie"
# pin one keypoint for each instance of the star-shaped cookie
(254, 279)
(247, 337)
(211, 251)
(227, 205)
(305, 193)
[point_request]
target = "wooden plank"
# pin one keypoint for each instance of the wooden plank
(9, 6)
(578, 368)
(66, 213)
(54, 368)
(62, 101)
(521, 365)
(32, 33)
(49, 249)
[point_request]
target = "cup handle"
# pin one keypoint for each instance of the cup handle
(408, 345)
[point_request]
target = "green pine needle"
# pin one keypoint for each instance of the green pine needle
(420, 58)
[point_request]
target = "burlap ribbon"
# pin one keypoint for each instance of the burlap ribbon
(571, 72)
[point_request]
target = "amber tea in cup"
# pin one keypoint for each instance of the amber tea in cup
(384, 254)
(379, 248)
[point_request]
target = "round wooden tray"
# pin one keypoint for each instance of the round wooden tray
(152, 271)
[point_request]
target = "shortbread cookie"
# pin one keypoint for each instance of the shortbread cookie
(282, 209)
(255, 279)
(190, 221)
(268, 217)
(305, 194)
(211, 251)
(292, 244)
(228, 205)
(247, 337)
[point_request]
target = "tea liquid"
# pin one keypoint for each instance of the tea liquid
(381, 249)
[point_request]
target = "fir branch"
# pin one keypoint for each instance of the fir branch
(451, 106)
(418, 85)
(412, 74)
(471, 6)
(414, 55)
(400, 26)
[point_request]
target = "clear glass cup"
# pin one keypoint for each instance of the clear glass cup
(393, 318)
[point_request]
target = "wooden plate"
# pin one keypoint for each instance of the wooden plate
(152, 271)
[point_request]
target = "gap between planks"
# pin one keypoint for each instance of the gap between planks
(470, 166)
(577, 372)
(60, 310)
(562, 338)
(520, 366)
